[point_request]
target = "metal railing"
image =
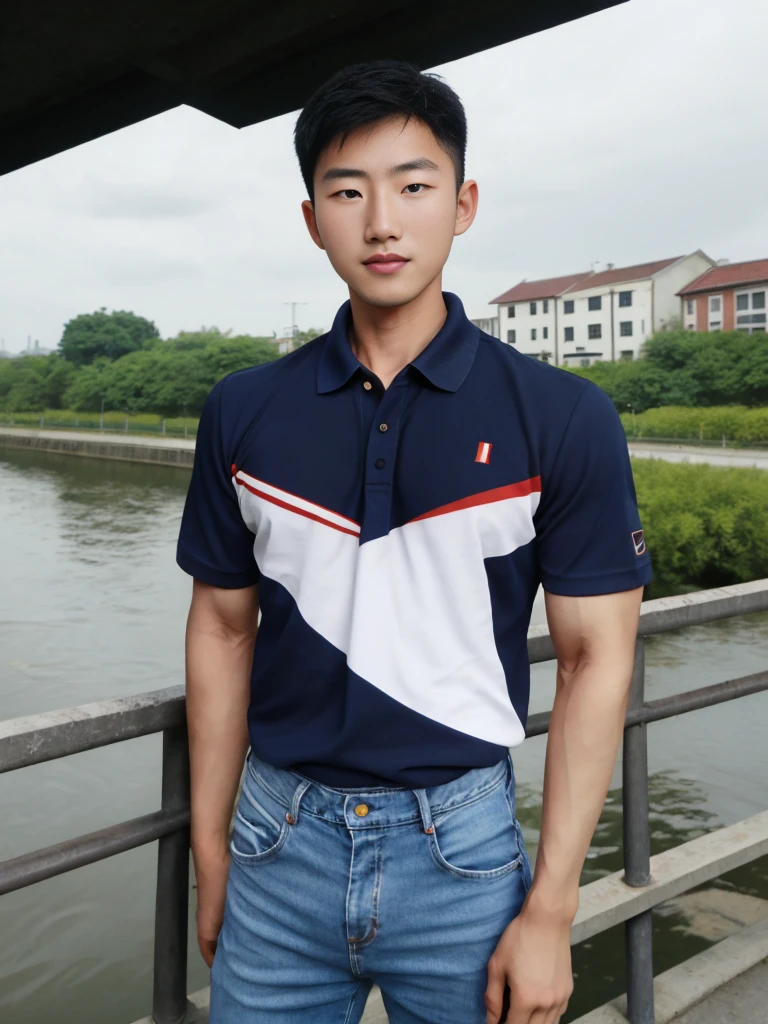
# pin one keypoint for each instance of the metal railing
(38, 738)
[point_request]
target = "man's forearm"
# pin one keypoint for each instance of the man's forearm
(218, 681)
(584, 735)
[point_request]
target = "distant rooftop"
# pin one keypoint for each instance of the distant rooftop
(547, 288)
(637, 272)
(729, 275)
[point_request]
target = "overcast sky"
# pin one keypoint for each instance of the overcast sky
(634, 134)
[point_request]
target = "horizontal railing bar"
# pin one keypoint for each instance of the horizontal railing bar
(75, 853)
(44, 737)
(610, 901)
(666, 613)
(695, 700)
(677, 704)
(53, 734)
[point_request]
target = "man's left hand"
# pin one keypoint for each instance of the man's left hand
(533, 957)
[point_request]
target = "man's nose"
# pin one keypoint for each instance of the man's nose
(382, 223)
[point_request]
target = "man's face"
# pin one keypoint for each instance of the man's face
(390, 191)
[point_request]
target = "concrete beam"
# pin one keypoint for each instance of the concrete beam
(692, 982)
(610, 901)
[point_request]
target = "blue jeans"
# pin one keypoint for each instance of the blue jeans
(332, 889)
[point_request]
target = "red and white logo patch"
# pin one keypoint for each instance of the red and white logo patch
(638, 539)
(484, 452)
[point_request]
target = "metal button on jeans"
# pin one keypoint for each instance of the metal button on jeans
(361, 810)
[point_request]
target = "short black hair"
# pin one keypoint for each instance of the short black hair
(364, 93)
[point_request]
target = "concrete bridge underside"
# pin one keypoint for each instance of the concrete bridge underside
(72, 72)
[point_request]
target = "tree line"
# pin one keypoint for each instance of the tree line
(688, 368)
(120, 360)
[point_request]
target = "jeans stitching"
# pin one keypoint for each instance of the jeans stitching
(352, 999)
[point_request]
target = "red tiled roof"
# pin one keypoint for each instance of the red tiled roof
(635, 273)
(728, 276)
(546, 289)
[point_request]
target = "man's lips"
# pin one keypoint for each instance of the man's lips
(385, 262)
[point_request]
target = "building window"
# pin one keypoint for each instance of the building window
(511, 337)
(625, 328)
(533, 334)
(510, 310)
(583, 362)
(532, 309)
(595, 302)
(715, 312)
(545, 306)
(627, 354)
(625, 298)
(567, 305)
(755, 321)
(568, 335)
(689, 307)
(545, 333)
(594, 331)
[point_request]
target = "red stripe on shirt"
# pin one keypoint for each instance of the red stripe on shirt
(518, 490)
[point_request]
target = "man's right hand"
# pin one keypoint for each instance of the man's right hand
(211, 870)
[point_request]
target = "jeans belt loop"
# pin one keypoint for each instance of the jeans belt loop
(298, 793)
(424, 809)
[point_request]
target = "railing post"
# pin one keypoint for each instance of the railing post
(637, 854)
(169, 998)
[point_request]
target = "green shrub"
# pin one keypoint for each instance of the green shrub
(705, 526)
(737, 423)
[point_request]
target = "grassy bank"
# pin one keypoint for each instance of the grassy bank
(705, 526)
(142, 423)
(736, 423)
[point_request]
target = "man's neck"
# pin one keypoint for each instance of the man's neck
(385, 339)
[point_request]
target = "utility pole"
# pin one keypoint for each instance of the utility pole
(294, 326)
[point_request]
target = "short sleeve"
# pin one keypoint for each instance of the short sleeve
(589, 538)
(215, 545)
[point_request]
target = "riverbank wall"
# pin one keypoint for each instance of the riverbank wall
(158, 451)
(180, 452)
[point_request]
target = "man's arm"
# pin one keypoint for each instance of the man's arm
(221, 630)
(594, 640)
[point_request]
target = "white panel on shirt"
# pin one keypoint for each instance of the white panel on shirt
(412, 610)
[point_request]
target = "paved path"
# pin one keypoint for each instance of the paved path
(742, 457)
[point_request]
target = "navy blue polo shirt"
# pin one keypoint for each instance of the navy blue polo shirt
(398, 537)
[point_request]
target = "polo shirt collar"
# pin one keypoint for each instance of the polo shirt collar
(445, 362)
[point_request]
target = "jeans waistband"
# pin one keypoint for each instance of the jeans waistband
(383, 805)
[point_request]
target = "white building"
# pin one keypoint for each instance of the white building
(584, 318)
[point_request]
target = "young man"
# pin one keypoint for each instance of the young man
(390, 496)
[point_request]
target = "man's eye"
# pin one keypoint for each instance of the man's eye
(414, 189)
(348, 193)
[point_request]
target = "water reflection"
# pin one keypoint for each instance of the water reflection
(92, 605)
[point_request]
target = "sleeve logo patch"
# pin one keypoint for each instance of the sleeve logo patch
(638, 540)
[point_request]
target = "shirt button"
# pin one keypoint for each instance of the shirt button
(383, 428)
(361, 810)
(380, 463)
(367, 385)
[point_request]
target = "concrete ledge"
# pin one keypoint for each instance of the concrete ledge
(176, 453)
(690, 983)
(610, 901)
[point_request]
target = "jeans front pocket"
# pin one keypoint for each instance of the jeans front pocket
(477, 839)
(260, 827)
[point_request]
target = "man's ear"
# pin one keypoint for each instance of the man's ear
(466, 206)
(308, 209)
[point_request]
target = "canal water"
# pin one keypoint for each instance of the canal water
(93, 606)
